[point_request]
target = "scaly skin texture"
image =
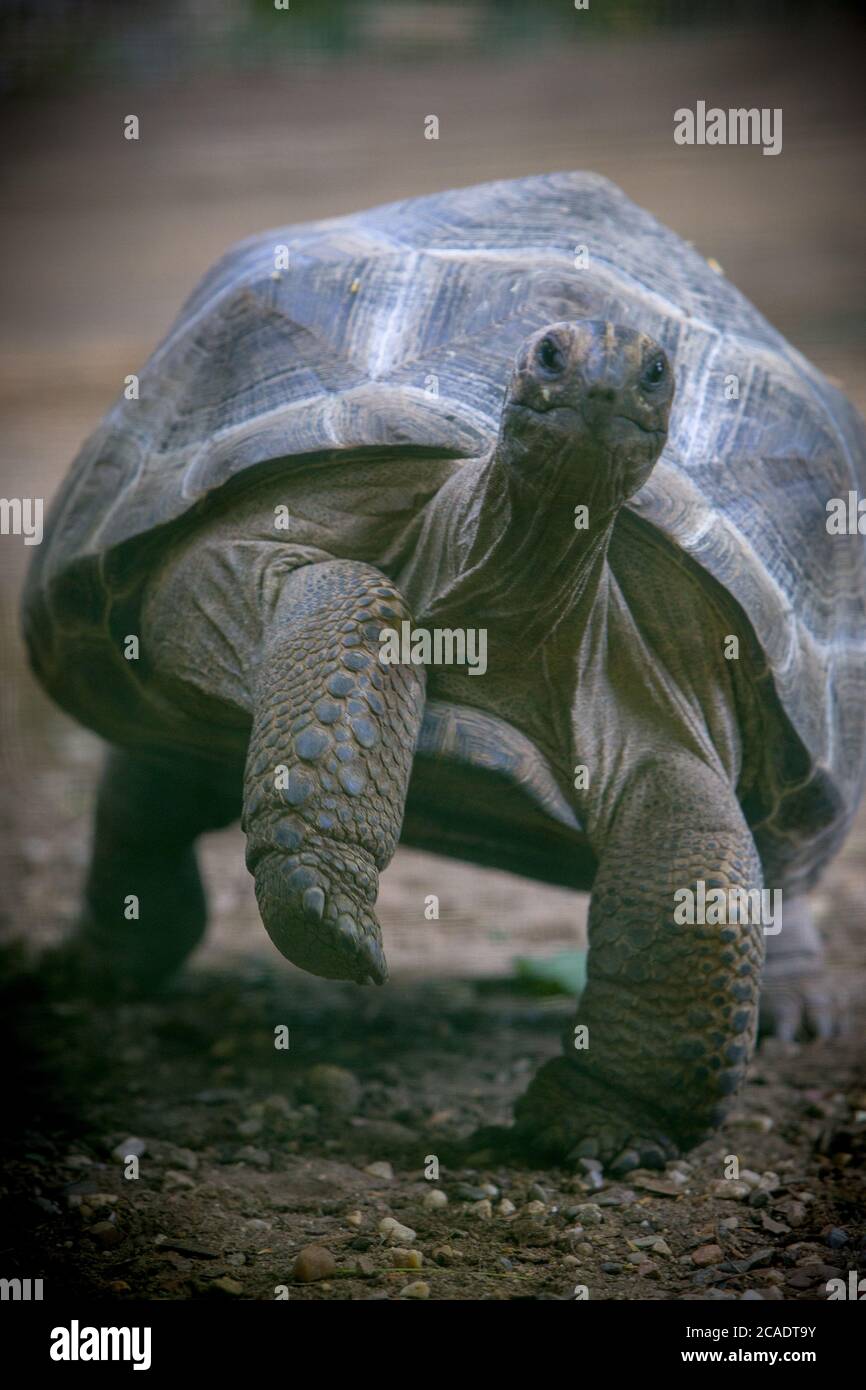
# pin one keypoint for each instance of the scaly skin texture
(344, 728)
(671, 1009)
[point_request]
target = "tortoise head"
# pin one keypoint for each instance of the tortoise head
(586, 411)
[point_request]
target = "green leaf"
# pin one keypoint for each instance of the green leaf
(564, 973)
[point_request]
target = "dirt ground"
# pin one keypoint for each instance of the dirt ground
(248, 1154)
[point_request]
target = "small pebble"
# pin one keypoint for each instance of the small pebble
(435, 1198)
(589, 1213)
(417, 1290)
(618, 1197)
(677, 1176)
(130, 1148)
(650, 1181)
(795, 1212)
(483, 1209)
(730, 1190)
(445, 1255)
(657, 1244)
(355, 1218)
(106, 1234)
(759, 1124)
(312, 1263)
(406, 1259)
(571, 1236)
(394, 1231)
(506, 1207)
(380, 1169)
(758, 1198)
(590, 1165)
(232, 1288)
(706, 1255)
(256, 1226)
(836, 1238)
(681, 1165)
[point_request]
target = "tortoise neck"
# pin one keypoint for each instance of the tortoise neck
(524, 557)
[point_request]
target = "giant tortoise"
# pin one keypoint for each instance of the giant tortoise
(527, 412)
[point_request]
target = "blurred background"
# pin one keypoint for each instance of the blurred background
(252, 116)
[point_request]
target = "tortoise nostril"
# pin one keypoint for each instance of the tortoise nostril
(601, 394)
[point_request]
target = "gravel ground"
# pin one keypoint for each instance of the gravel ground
(248, 1156)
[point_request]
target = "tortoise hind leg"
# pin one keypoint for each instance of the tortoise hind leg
(145, 906)
(796, 999)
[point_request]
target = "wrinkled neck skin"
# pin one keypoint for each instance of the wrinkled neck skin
(506, 554)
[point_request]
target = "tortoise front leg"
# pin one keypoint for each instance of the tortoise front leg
(670, 1010)
(334, 734)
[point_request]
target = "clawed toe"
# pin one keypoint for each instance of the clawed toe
(565, 1116)
(641, 1153)
(797, 1010)
(325, 932)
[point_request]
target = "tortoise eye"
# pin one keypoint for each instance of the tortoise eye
(550, 356)
(655, 371)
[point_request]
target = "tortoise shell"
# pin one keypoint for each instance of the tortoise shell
(395, 330)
